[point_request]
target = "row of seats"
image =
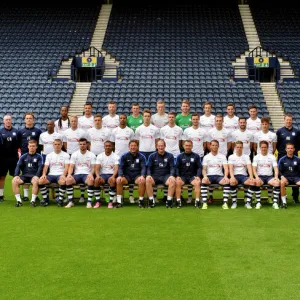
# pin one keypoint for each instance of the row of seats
(34, 41)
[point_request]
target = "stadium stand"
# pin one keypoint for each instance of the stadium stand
(177, 52)
(278, 29)
(34, 43)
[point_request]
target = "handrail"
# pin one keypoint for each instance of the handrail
(92, 51)
(258, 51)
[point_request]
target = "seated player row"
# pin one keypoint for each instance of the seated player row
(85, 168)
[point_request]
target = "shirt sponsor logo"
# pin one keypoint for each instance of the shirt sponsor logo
(170, 137)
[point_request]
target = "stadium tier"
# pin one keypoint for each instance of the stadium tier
(34, 42)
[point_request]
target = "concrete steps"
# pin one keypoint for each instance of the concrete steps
(79, 98)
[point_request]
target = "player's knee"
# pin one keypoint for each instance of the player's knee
(90, 182)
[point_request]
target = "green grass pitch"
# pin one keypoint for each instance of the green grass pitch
(132, 253)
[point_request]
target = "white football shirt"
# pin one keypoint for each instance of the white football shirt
(85, 123)
(231, 124)
(269, 137)
(172, 137)
(198, 137)
(254, 125)
(239, 164)
(207, 122)
(244, 136)
(221, 136)
(47, 139)
(57, 162)
(110, 123)
(71, 137)
(264, 164)
(107, 162)
(65, 124)
(97, 137)
(159, 120)
(121, 137)
(83, 162)
(147, 136)
(214, 163)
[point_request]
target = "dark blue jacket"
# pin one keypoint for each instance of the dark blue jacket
(26, 134)
(131, 165)
(285, 136)
(30, 165)
(289, 167)
(9, 142)
(188, 165)
(161, 165)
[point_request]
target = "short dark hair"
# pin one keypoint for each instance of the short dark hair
(82, 140)
(134, 141)
(289, 144)
(215, 141)
(230, 104)
(288, 115)
(263, 143)
(147, 111)
(252, 106)
(265, 120)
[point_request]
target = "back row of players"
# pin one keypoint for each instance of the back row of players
(147, 129)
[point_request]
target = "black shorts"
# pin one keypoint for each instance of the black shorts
(161, 179)
(26, 179)
(8, 165)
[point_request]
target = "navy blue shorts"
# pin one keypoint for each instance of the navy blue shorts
(131, 179)
(215, 179)
(241, 178)
(161, 179)
(266, 179)
(53, 178)
(80, 178)
(187, 180)
(293, 180)
(26, 179)
(105, 177)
